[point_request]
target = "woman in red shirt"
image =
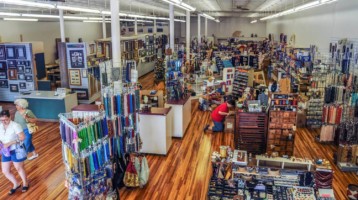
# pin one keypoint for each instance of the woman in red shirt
(218, 116)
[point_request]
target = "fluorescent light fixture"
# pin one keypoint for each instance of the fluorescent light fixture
(307, 6)
(179, 20)
(253, 21)
(28, 3)
(10, 14)
(189, 7)
(106, 12)
(75, 18)
(162, 18)
(180, 4)
(207, 16)
(133, 15)
(217, 20)
(21, 19)
(41, 16)
(95, 21)
(70, 8)
(96, 18)
(299, 8)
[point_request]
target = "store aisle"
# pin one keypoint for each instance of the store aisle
(183, 174)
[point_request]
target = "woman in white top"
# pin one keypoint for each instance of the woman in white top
(10, 134)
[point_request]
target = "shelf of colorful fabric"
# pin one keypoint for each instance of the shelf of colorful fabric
(86, 154)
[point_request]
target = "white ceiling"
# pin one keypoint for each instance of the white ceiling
(216, 8)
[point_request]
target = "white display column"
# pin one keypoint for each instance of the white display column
(206, 28)
(116, 40)
(62, 26)
(135, 26)
(155, 26)
(171, 33)
(104, 30)
(199, 37)
(188, 34)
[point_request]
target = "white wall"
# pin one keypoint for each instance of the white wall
(319, 25)
(47, 32)
(226, 27)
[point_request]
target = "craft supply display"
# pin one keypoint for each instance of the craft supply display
(175, 87)
(232, 179)
(86, 155)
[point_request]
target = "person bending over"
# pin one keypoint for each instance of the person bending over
(218, 116)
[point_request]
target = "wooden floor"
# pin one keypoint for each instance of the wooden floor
(183, 174)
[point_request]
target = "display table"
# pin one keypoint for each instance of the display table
(182, 115)
(46, 106)
(156, 128)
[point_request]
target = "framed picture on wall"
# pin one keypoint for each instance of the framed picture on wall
(130, 29)
(77, 59)
(140, 30)
(150, 30)
(82, 94)
(20, 69)
(3, 75)
(28, 78)
(22, 85)
(12, 74)
(10, 52)
(11, 64)
(21, 76)
(21, 52)
(4, 84)
(75, 77)
(160, 30)
(14, 88)
(3, 65)
(2, 52)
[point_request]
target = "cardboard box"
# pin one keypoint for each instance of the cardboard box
(229, 124)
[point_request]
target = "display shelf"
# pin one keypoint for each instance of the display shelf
(250, 132)
(283, 161)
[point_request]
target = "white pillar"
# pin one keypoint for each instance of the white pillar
(116, 40)
(188, 34)
(206, 28)
(135, 26)
(104, 30)
(171, 33)
(155, 26)
(62, 26)
(199, 34)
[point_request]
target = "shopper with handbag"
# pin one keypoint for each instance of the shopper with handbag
(11, 134)
(218, 116)
(27, 120)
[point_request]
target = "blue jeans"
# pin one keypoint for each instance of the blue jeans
(28, 141)
(218, 126)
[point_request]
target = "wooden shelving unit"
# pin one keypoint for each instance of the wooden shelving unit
(282, 120)
(251, 130)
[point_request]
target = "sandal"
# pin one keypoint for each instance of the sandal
(12, 191)
(25, 188)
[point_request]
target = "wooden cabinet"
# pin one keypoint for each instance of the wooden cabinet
(250, 133)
